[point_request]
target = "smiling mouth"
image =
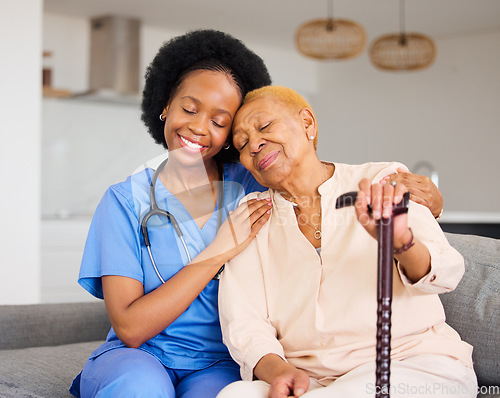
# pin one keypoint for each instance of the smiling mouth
(191, 145)
(268, 159)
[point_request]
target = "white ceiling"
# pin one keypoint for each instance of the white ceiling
(275, 21)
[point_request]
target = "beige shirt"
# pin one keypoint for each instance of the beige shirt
(318, 311)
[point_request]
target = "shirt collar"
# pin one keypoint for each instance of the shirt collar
(324, 189)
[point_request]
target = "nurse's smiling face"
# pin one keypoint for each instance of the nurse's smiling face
(200, 114)
(271, 138)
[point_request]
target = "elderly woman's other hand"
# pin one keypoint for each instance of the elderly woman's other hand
(294, 383)
(422, 189)
(285, 379)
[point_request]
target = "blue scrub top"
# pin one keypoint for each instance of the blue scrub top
(115, 246)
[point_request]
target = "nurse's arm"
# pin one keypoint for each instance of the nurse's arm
(137, 317)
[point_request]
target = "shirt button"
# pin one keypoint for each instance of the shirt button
(433, 278)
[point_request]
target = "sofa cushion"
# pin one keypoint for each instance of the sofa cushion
(42, 372)
(473, 308)
(40, 325)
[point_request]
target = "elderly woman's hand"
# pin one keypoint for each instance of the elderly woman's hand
(382, 198)
(422, 189)
(412, 254)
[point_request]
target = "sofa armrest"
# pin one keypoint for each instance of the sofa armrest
(38, 325)
(472, 309)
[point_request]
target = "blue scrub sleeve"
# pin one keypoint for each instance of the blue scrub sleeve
(236, 172)
(113, 243)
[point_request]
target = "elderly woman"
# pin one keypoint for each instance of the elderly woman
(298, 306)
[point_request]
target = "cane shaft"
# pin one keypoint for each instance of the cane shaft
(384, 301)
(384, 289)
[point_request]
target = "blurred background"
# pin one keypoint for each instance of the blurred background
(64, 143)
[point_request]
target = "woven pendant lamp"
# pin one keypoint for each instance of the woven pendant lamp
(403, 51)
(330, 38)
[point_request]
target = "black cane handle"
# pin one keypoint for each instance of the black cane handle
(385, 237)
(349, 198)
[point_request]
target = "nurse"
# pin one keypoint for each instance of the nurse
(165, 339)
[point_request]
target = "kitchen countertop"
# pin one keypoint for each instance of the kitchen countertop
(466, 217)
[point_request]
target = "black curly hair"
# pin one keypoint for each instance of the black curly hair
(205, 49)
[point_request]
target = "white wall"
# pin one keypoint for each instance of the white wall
(448, 114)
(20, 82)
(68, 40)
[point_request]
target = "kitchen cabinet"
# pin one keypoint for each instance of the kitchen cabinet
(472, 223)
(62, 244)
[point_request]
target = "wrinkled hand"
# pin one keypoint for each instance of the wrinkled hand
(293, 383)
(382, 198)
(422, 189)
(241, 226)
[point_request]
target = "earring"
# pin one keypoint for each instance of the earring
(311, 137)
(163, 115)
(226, 146)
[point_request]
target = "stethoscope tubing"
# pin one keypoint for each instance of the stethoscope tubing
(155, 210)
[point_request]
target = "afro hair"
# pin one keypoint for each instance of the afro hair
(182, 53)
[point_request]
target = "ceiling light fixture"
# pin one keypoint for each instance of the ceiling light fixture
(403, 51)
(330, 38)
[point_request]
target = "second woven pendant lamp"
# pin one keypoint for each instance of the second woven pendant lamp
(330, 38)
(403, 51)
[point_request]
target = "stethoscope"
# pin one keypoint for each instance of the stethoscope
(154, 210)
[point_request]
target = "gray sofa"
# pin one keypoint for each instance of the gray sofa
(43, 346)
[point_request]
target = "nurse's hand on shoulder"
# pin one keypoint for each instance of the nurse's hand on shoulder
(240, 227)
(422, 189)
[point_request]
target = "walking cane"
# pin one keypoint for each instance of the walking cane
(385, 237)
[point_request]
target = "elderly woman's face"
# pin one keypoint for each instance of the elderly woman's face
(271, 138)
